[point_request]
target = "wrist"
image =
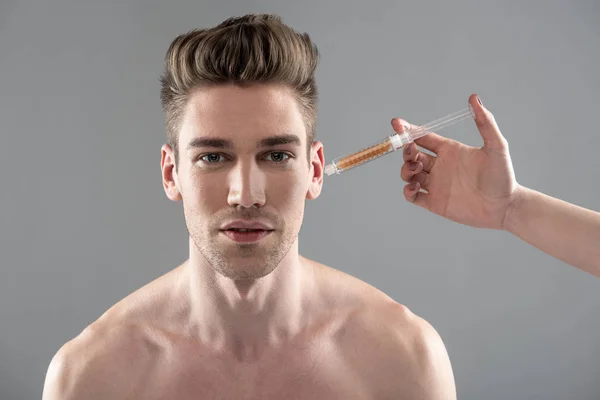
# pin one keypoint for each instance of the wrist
(515, 216)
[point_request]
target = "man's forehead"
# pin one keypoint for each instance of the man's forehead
(226, 133)
(217, 114)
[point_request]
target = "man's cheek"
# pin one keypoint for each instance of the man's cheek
(293, 199)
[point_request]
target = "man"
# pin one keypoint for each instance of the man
(246, 316)
(477, 187)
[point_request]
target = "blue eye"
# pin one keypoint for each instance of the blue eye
(211, 158)
(278, 156)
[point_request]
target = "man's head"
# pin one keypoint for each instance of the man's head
(240, 107)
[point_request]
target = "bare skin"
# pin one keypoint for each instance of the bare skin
(250, 319)
(351, 342)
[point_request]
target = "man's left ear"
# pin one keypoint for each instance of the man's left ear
(317, 161)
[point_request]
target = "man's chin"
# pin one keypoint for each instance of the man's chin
(245, 260)
(243, 271)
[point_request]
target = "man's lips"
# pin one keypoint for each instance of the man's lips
(245, 235)
(241, 225)
(246, 231)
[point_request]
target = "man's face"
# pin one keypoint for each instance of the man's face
(243, 165)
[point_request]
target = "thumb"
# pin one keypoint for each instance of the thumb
(486, 124)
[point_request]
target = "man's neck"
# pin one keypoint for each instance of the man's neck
(247, 317)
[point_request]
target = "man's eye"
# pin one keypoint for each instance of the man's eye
(278, 156)
(211, 158)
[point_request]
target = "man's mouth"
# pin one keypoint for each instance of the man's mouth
(242, 235)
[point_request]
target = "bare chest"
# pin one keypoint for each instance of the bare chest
(308, 375)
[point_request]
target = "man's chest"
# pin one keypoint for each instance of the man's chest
(270, 386)
(307, 376)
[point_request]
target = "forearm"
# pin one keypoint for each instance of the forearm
(563, 230)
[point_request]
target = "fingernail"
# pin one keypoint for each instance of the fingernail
(407, 150)
(479, 100)
(412, 166)
(414, 186)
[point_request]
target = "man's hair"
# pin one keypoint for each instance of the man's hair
(246, 50)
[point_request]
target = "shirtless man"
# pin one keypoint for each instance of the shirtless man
(246, 316)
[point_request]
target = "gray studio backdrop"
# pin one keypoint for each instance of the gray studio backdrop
(84, 219)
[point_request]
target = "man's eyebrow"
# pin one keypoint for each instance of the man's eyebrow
(272, 141)
(210, 142)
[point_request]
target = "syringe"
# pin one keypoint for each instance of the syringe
(395, 142)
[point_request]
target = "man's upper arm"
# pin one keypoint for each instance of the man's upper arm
(83, 369)
(62, 377)
(68, 379)
(59, 376)
(423, 358)
(435, 378)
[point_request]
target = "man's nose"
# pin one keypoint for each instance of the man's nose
(246, 186)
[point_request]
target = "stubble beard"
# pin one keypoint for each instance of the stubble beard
(242, 261)
(245, 261)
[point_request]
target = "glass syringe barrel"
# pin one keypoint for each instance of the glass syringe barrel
(394, 142)
(369, 153)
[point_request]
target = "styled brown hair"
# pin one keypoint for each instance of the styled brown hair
(246, 50)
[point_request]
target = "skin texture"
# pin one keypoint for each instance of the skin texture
(250, 320)
(477, 187)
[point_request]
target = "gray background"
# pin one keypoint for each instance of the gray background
(84, 219)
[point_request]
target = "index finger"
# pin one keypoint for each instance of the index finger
(432, 141)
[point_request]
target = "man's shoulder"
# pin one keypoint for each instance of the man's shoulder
(91, 365)
(400, 352)
(101, 361)
(390, 323)
(391, 345)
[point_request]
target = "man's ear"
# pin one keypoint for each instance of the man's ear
(169, 173)
(317, 165)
